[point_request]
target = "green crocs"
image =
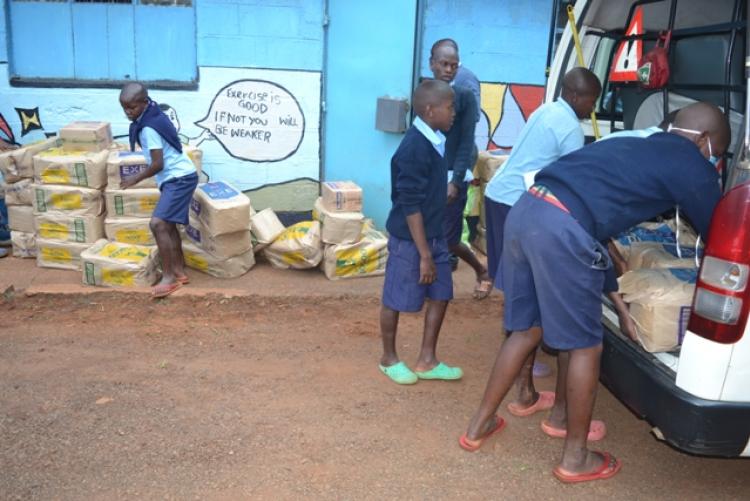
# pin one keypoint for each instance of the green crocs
(441, 371)
(399, 373)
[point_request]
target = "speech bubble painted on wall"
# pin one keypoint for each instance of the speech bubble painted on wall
(256, 120)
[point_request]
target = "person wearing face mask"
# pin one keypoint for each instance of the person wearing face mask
(553, 266)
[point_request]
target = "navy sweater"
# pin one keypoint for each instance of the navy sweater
(156, 119)
(418, 184)
(610, 186)
(460, 149)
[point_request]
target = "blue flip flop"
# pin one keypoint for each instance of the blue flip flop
(441, 371)
(399, 373)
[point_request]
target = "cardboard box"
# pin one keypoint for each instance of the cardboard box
(220, 208)
(23, 244)
(487, 165)
(21, 218)
(65, 228)
(77, 168)
(85, 135)
(298, 247)
(123, 164)
(656, 255)
(266, 226)
(19, 164)
(129, 230)
(19, 193)
(71, 200)
(221, 246)
(338, 227)
(132, 202)
(62, 255)
(365, 258)
(114, 264)
(198, 259)
(341, 196)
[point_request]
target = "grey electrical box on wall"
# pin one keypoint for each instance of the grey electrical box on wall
(391, 114)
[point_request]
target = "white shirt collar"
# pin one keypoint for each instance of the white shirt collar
(433, 136)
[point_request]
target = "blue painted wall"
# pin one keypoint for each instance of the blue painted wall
(366, 59)
(3, 33)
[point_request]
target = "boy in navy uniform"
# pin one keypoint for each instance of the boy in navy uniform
(175, 175)
(418, 262)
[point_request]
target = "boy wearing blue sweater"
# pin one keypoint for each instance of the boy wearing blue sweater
(418, 262)
(175, 175)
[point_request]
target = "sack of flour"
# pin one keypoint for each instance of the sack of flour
(76, 168)
(65, 228)
(298, 247)
(361, 259)
(221, 208)
(72, 200)
(338, 227)
(233, 267)
(129, 230)
(114, 264)
(23, 244)
(133, 202)
(56, 254)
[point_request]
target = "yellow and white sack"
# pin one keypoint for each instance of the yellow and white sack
(266, 227)
(19, 193)
(135, 202)
(19, 164)
(76, 168)
(65, 228)
(660, 301)
(23, 244)
(298, 247)
(221, 246)
(338, 227)
(124, 164)
(21, 218)
(114, 264)
(129, 230)
(220, 208)
(55, 254)
(361, 259)
(233, 267)
(72, 200)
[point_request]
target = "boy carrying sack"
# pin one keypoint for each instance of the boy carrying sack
(175, 175)
(418, 264)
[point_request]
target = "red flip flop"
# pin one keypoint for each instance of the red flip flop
(545, 402)
(608, 469)
(164, 290)
(474, 445)
(597, 430)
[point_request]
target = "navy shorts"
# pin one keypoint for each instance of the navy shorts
(401, 289)
(174, 202)
(552, 273)
(495, 215)
(454, 218)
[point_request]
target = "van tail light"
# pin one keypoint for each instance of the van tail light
(722, 296)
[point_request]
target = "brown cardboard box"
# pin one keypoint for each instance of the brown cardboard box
(62, 255)
(65, 228)
(21, 218)
(361, 259)
(221, 246)
(122, 164)
(114, 264)
(198, 259)
(24, 244)
(338, 227)
(76, 168)
(129, 230)
(85, 135)
(131, 202)
(341, 196)
(19, 193)
(71, 200)
(19, 164)
(220, 208)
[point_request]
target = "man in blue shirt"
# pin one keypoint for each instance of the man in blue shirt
(553, 266)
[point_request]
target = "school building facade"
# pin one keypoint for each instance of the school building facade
(279, 94)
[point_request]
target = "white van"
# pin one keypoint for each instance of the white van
(697, 398)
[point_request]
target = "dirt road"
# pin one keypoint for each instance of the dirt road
(112, 396)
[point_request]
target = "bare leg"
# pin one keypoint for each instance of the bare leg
(179, 265)
(388, 327)
(465, 254)
(433, 320)
(511, 357)
(527, 394)
(162, 231)
(557, 416)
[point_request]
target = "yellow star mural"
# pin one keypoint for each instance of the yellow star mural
(29, 119)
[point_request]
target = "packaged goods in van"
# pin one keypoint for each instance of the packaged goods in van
(129, 230)
(266, 226)
(65, 228)
(86, 135)
(338, 227)
(660, 301)
(361, 259)
(23, 244)
(114, 264)
(18, 164)
(21, 218)
(341, 196)
(298, 247)
(56, 254)
(71, 167)
(19, 193)
(221, 246)
(72, 200)
(221, 208)
(233, 267)
(132, 202)
(123, 164)
(658, 255)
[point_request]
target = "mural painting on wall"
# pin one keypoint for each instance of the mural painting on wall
(505, 110)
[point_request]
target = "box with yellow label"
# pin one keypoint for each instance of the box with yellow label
(21, 218)
(338, 227)
(129, 230)
(298, 247)
(131, 203)
(233, 267)
(114, 264)
(18, 164)
(56, 254)
(86, 135)
(124, 164)
(77, 168)
(80, 229)
(361, 259)
(19, 193)
(24, 244)
(71, 200)
(220, 207)
(221, 246)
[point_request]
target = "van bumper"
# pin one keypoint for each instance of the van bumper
(690, 424)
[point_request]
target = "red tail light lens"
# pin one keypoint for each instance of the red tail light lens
(722, 298)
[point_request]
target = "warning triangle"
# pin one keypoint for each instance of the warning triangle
(625, 64)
